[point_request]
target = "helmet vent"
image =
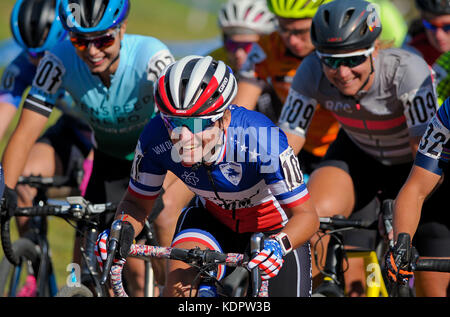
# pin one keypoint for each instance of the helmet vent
(364, 29)
(326, 16)
(347, 16)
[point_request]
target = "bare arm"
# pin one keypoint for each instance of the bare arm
(247, 95)
(303, 223)
(7, 112)
(19, 146)
(414, 144)
(296, 142)
(408, 204)
(135, 209)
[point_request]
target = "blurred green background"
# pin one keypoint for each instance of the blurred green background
(168, 20)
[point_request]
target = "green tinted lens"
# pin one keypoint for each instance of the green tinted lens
(195, 125)
(352, 61)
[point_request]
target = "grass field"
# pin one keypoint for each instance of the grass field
(168, 20)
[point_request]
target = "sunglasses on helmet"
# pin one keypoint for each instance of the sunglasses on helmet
(334, 61)
(434, 27)
(194, 124)
(100, 42)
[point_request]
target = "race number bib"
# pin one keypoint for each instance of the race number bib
(158, 63)
(291, 169)
(138, 155)
(49, 74)
(9, 78)
(434, 140)
(297, 112)
(420, 106)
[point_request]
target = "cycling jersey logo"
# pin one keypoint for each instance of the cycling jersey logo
(190, 178)
(232, 172)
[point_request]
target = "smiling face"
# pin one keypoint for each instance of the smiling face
(100, 50)
(350, 80)
(191, 148)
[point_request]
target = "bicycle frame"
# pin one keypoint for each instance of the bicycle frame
(375, 285)
(334, 283)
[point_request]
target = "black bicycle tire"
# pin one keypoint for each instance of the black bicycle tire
(74, 291)
(23, 248)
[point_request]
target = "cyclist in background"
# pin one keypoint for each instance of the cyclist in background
(431, 40)
(430, 35)
(110, 76)
(373, 94)
(430, 228)
(275, 59)
(36, 27)
(244, 182)
(16, 76)
(242, 23)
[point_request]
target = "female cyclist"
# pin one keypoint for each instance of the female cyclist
(239, 164)
(383, 100)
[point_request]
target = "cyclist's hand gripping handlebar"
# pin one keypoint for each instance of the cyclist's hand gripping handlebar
(120, 239)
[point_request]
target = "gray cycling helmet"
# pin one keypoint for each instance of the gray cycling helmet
(437, 7)
(345, 25)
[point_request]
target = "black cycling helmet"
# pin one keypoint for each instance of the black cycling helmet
(437, 7)
(345, 25)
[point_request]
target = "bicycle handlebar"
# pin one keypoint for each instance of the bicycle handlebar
(333, 223)
(434, 265)
(190, 256)
(45, 182)
(77, 209)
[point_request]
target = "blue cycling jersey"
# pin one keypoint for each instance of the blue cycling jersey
(117, 114)
(434, 148)
(255, 174)
(18, 76)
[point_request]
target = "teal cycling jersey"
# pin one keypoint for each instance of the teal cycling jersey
(117, 114)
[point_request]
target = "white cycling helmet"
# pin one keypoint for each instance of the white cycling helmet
(246, 16)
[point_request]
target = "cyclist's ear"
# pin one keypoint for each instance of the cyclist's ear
(123, 28)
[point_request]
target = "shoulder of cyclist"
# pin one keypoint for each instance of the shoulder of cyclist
(147, 53)
(16, 78)
(433, 152)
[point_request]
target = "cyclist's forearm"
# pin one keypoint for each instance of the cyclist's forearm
(135, 211)
(303, 224)
(247, 95)
(406, 214)
(409, 202)
(19, 146)
(7, 112)
(296, 142)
